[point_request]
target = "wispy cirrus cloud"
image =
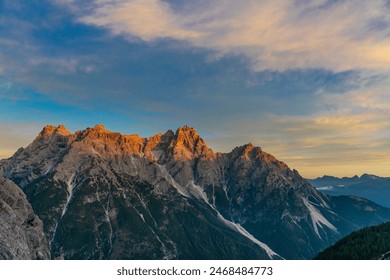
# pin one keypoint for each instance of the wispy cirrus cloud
(145, 19)
(277, 35)
(348, 132)
(371, 94)
(339, 145)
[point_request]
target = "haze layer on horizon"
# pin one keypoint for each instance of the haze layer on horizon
(308, 81)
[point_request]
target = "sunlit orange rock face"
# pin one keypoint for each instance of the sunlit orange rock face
(49, 130)
(163, 195)
(188, 144)
(185, 144)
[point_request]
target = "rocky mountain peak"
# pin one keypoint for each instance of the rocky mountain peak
(99, 128)
(367, 176)
(187, 144)
(248, 154)
(248, 148)
(160, 140)
(186, 129)
(47, 131)
(186, 136)
(169, 133)
(99, 132)
(61, 129)
(247, 151)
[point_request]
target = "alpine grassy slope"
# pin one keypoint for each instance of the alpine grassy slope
(103, 195)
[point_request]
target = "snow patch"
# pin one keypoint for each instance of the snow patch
(146, 209)
(69, 189)
(225, 190)
(158, 154)
(198, 192)
(244, 232)
(284, 178)
(107, 213)
(48, 169)
(172, 181)
(164, 248)
(326, 188)
(317, 218)
(54, 234)
(142, 216)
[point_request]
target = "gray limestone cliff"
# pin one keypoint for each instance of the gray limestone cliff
(21, 231)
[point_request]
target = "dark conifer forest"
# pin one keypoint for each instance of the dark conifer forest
(371, 243)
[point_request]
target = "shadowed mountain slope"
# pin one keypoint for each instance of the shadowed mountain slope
(104, 195)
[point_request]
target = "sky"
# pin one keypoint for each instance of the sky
(307, 81)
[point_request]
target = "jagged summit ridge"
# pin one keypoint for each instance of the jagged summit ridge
(173, 163)
(184, 144)
(152, 194)
(167, 150)
(100, 128)
(49, 130)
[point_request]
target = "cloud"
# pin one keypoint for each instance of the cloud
(146, 19)
(348, 133)
(321, 144)
(276, 35)
(145, 66)
(371, 94)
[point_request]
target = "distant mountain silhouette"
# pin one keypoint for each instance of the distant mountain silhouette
(369, 186)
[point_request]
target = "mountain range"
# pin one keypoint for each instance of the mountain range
(104, 195)
(372, 187)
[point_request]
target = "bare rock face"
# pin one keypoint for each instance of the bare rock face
(104, 195)
(21, 231)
